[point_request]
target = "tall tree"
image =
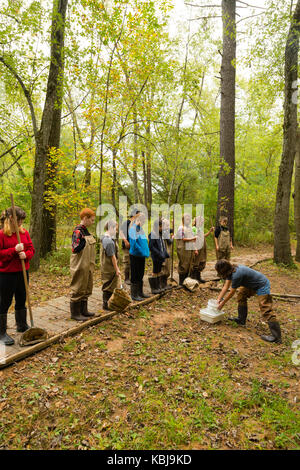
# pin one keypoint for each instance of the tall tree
(282, 244)
(227, 114)
(297, 196)
(42, 224)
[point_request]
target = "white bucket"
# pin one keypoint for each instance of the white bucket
(211, 314)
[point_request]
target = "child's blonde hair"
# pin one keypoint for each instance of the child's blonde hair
(6, 221)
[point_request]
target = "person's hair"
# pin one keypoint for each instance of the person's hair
(86, 212)
(157, 224)
(224, 268)
(134, 212)
(223, 218)
(110, 224)
(196, 220)
(5, 220)
(185, 216)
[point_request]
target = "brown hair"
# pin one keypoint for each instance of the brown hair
(110, 224)
(6, 221)
(223, 218)
(224, 268)
(87, 213)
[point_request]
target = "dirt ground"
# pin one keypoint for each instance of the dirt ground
(159, 378)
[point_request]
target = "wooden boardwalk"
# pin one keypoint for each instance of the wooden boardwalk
(54, 316)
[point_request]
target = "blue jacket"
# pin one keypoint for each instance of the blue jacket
(138, 242)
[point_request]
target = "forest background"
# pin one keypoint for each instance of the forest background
(138, 103)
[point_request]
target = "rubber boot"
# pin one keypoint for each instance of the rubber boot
(154, 285)
(164, 282)
(20, 316)
(127, 276)
(84, 309)
(75, 308)
(141, 293)
(106, 296)
(194, 274)
(182, 278)
(4, 338)
(199, 278)
(242, 315)
(275, 336)
(134, 292)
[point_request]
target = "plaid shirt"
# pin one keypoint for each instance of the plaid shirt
(78, 238)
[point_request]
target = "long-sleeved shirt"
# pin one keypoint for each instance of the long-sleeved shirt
(78, 238)
(9, 259)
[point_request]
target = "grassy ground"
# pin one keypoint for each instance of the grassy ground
(158, 378)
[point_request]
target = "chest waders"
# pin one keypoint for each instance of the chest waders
(82, 267)
(224, 245)
(110, 280)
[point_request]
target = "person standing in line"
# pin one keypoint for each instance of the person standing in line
(185, 251)
(199, 260)
(124, 230)
(159, 254)
(82, 265)
(139, 251)
(110, 272)
(168, 237)
(11, 272)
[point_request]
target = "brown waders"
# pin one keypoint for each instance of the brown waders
(224, 245)
(110, 280)
(184, 254)
(82, 266)
(165, 270)
(199, 261)
(266, 308)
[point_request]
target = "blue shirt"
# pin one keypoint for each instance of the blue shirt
(247, 277)
(138, 242)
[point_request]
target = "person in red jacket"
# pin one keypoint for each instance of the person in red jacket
(11, 274)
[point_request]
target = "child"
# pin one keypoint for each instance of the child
(223, 241)
(184, 251)
(82, 265)
(125, 243)
(199, 261)
(251, 283)
(159, 254)
(11, 272)
(168, 237)
(139, 251)
(110, 272)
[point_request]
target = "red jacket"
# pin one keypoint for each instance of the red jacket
(9, 258)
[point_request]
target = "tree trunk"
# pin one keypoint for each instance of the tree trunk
(297, 196)
(282, 244)
(135, 159)
(227, 115)
(148, 169)
(42, 224)
(145, 180)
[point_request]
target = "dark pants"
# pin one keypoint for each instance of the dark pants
(137, 268)
(12, 285)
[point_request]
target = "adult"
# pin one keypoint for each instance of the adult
(250, 282)
(124, 230)
(11, 273)
(82, 265)
(139, 251)
(110, 272)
